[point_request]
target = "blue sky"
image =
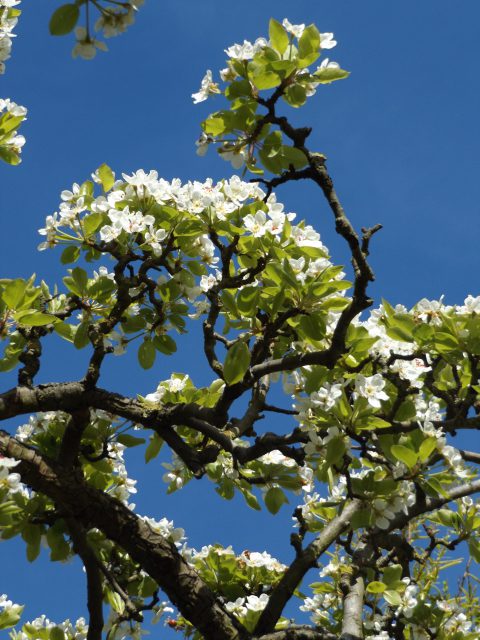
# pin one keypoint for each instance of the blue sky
(401, 135)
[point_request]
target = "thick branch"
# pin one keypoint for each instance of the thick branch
(155, 554)
(94, 579)
(299, 632)
(72, 438)
(305, 560)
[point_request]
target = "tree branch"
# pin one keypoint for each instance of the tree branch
(155, 554)
(306, 559)
(94, 579)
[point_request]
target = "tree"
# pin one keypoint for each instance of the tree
(378, 396)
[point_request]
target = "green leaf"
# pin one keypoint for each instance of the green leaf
(81, 339)
(473, 547)
(153, 448)
(33, 550)
(146, 354)
(278, 36)
(335, 450)
(165, 344)
(247, 301)
(330, 74)
(446, 517)
(296, 95)
(293, 156)
(9, 156)
(406, 411)
(274, 498)
(129, 440)
(226, 489)
(14, 292)
(371, 422)
(115, 601)
(214, 125)
(361, 519)
(35, 319)
(92, 222)
(236, 363)
(393, 598)
(57, 634)
(64, 19)
(251, 500)
(376, 587)
(405, 455)
(392, 574)
(265, 79)
(313, 326)
(106, 176)
(70, 254)
(10, 617)
(427, 447)
(237, 89)
(309, 42)
(9, 122)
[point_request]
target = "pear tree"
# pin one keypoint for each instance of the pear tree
(375, 393)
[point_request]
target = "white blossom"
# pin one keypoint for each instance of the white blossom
(207, 88)
(371, 388)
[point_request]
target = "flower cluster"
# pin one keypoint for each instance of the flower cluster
(111, 22)
(114, 476)
(11, 142)
(9, 612)
(281, 62)
(8, 21)
(241, 606)
(166, 529)
(10, 481)
(146, 212)
(43, 625)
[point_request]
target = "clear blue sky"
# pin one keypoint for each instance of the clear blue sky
(402, 138)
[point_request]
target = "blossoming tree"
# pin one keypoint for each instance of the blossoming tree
(375, 397)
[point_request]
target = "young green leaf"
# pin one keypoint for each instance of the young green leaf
(64, 19)
(106, 176)
(236, 363)
(405, 455)
(274, 498)
(278, 36)
(146, 354)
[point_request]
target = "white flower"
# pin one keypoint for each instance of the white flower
(256, 223)
(86, 46)
(307, 237)
(471, 305)
(247, 50)
(236, 156)
(294, 29)
(166, 529)
(326, 397)
(237, 607)
(256, 603)
(264, 559)
(430, 310)
(8, 463)
(110, 232)
(327, 41)
(277, 457)
(207, 88)
(371, 388)
(202, 144)
(157, 396)
(154, 239)
(207, 282)
(176, 384)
